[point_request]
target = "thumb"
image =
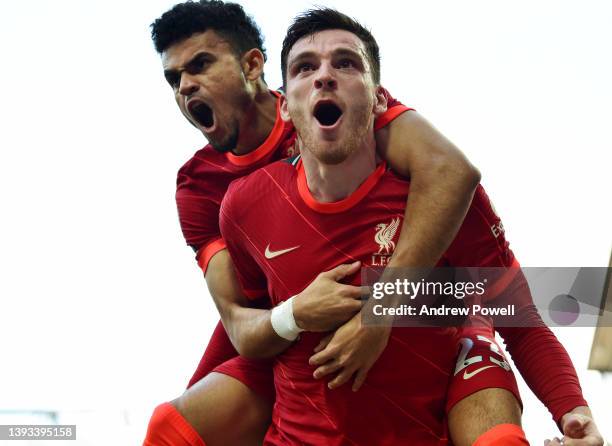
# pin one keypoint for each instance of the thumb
(574, 425)
(346, 269)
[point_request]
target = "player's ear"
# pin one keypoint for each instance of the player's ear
(380, 102)
(252, 62)
(284, 109)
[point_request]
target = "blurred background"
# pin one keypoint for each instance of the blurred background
(103, 310)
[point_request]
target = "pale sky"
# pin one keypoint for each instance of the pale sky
(102, 304)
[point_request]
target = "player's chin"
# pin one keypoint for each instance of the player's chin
(332, 154)
(224, 144)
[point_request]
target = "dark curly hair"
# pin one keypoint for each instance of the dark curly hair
(227, 19)
(321, 19)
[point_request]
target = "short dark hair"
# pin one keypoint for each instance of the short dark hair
(321, 19)
(227, 19)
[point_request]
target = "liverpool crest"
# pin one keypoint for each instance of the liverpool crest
(385, 232)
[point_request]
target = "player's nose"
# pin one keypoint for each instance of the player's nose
(188, 84)
(324, 78)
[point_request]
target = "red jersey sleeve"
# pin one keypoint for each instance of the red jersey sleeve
(198, 212)
(394, 109)
(251, 277)
(534, 348)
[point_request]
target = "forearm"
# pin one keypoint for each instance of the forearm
(434, 213)
(249, 329)
(539, 356)
(545, 366)
(251, 332)
(442, 184)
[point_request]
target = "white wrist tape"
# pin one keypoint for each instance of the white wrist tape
(283, 321)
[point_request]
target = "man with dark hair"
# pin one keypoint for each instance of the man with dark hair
(227, 19)
(221, 91)
(332, 99)
(322, 19)
(219, 87)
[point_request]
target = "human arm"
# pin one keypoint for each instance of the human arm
(248, 328)
(442, 183)
(533, 347)
(321, 306)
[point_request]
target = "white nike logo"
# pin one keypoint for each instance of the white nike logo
(272, 254)
(467, 375)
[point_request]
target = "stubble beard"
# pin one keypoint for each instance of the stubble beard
(334, 152)
(229, 143)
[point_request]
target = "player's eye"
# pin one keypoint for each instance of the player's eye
(173, 80)
(346, 63)
(304, 67)
(197, 66)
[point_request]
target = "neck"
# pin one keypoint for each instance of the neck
(258, 121)
(330, 183)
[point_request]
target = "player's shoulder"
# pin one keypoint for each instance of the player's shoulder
(267, 177)
(254, 189)
(482, 202)
(201, 158)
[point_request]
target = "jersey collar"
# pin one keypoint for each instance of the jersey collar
(268, 145)
(342, 205)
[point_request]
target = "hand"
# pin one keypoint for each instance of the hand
(326, 304)
(579, 429)
(351, 349)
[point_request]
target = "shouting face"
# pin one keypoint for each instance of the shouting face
(331, 96)
(209, 86)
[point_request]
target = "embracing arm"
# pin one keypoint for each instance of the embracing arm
(321, 306)
(442, 184)
(248, 328)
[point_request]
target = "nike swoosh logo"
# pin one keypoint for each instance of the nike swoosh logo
(467, 375)
(272, 254)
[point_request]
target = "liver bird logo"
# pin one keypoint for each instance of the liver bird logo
(384, 235)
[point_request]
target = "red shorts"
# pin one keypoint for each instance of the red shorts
(481, 365)
(256, 374)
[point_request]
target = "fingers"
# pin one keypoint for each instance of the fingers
(365, 290)
(352, 305)
(325, 355)
(579, 442)
(586, 441)
(326, 369)
(323, 343)
(341, 378)
(341, 271)
(355, 292)
(574, 425)
(360, 379)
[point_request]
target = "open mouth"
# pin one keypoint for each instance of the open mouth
(202, 113)
(327, 113)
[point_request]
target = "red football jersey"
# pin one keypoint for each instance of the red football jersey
(281, 238)
(201, 185)
(405, 393)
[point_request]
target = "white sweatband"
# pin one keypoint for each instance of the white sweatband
(283, 321)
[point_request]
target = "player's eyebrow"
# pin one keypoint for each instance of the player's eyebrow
(171, 73)
(339, 52)
(348, 52)
(302, 56)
